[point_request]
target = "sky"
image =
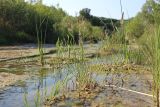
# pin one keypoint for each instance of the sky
(102, 8)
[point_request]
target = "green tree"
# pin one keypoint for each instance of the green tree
(85, 13)
(135, 28)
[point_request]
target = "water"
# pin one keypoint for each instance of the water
(40, 79)
(44, 79)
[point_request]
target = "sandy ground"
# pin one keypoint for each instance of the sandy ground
(8, 52)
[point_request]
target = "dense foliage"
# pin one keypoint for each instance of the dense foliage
(18, 21)
(22, 22)
(108, 24)
(145, 21)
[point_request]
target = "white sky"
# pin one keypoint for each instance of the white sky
(105, 8)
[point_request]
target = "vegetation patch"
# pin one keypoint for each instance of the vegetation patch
(55, 61)
(120, 68)
(78, 98)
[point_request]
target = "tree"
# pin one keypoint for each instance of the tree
(135, 28)
(85, 13)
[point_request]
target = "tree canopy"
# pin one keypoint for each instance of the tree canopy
(20, 21)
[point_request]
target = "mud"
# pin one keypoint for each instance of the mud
(7, 79)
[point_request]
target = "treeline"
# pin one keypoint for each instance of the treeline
(21, 22)
(108, 24)
(18, 21)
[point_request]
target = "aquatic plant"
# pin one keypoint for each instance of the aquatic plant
(41, 39)
(69, 46)
(58, 47)
(37, 99)
(55, 90)
(25, 100)
(137, 57)
(83, 77)
(82, 51)
(61, 49)
(58, 86)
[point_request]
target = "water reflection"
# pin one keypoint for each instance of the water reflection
(41, 81)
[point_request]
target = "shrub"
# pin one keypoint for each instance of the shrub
(97, 33)
(135, 28)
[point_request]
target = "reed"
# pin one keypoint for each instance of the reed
(83, 77)
(58, 46)
(41, 39)
(37, 99)
(25, 100)
(69, 46)
(56, 89)
(151, 49)
(69, 43)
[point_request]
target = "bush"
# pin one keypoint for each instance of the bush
(22, 36)
(21, 21)
(135, 28)
(97, 33)
(73, 27)
(18, 16)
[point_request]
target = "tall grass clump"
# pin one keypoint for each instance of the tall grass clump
(136, 56)
(37, 99)
(25, 100)
(58, 87)
(59, 46)
(41, 36)
(117, 42)
(40, 47)
(81, 36)
(69, 46)
(151, 49)
(83, 77)
(81, 50)
(123, 37)
(69, 43)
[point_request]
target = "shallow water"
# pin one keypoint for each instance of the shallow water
(43, 79)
